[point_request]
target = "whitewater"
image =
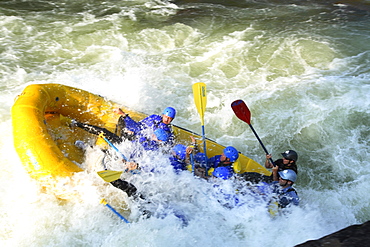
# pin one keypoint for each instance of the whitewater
(302, 67)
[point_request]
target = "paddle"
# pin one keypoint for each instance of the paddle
(136, 171)
(103, 201)
(109, 176)
(192, 163)
(114, 147)
(242, 112)
(200, 99)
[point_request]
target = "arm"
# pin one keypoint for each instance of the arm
(190, 149)
(96, 130)
(131, 166)
(119, 112)
(275, 176)
(267, 162)
(125, 127)
(194, 144)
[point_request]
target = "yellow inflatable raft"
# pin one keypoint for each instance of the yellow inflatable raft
(45, 142)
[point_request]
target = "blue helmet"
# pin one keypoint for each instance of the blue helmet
(231, 153)
(180, 151)
(162, 134)
(200, 158)
(288, 174)
(223, 172)
(170, 112)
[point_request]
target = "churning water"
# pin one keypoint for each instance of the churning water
(302, 67)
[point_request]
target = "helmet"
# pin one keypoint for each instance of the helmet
(200, 158)
(290, 155)
(170, 112)
(288, 174)
(180, 151)
(161, 134)
(231, 153)
(223, 172)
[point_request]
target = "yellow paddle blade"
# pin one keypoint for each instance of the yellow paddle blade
(273, 208)
(109, 176)
(200, 98)
(103, 201)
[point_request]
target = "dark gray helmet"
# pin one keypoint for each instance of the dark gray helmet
(290, 155)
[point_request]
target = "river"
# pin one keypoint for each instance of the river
(302, 67)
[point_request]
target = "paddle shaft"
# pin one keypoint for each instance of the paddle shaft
(114, 147)
(114, 211)
(242, 111)
(204, 140)
(200, 99)
(192, 163)
(263, 146)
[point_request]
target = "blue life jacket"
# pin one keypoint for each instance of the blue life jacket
(178, 165)
(215, 162)
(286, 196)
(152, 121)
(132, 125)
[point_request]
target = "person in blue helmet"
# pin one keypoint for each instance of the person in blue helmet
(129, 129)
(280, 193)
(226, 159)
(152, 142)
(149, 142)
(286, 194)
(180, 157)
(223, 172)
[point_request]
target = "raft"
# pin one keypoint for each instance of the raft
(45, 142)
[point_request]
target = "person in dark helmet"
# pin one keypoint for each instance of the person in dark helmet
(288, 161)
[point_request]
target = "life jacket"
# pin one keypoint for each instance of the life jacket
(292, 189)
(177, 164)
(215, 162)
(154, 121)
